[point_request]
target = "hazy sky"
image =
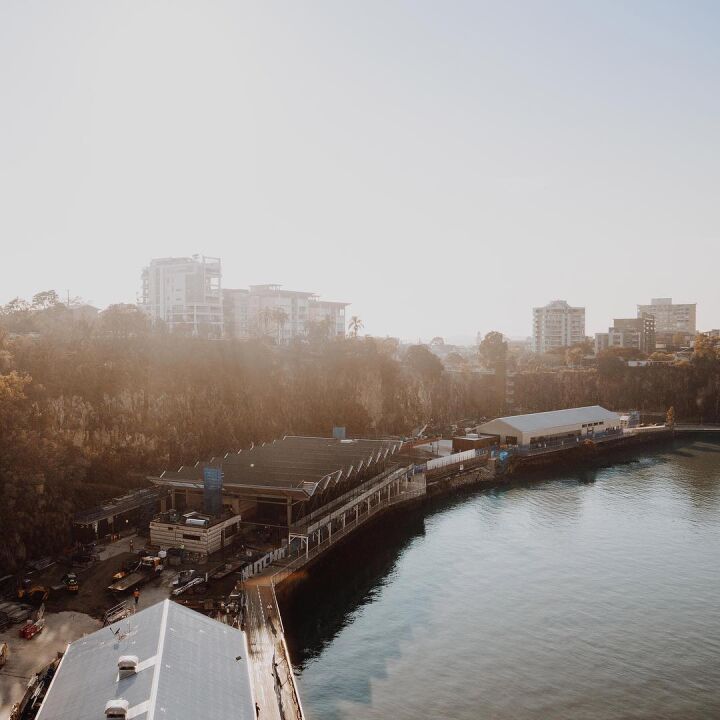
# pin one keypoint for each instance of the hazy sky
(444, 166)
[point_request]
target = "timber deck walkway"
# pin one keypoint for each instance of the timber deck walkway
(680, 428)
(271, 672)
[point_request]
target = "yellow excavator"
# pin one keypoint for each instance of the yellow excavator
(33, 593)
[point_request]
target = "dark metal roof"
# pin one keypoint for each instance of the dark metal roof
(190, 667)
(294, 466)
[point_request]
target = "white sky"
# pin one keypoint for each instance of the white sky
(443, 166)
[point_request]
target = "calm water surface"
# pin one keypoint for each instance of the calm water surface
(584, 596)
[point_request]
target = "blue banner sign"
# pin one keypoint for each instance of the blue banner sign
(212, 494)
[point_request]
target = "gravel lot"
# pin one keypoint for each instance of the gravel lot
(28, 656)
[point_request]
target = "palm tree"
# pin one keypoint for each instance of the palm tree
(355, 326)
(280, 318)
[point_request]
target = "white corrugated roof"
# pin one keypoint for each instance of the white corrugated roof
(190, 667)
(558, 418)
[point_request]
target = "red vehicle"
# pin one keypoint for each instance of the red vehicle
(31, 629)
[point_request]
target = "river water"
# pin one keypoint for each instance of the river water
(586, 595)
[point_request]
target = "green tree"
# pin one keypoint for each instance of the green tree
(704, 348)
(124, 320)
(493, 351)
(670, 417)
(279, 320)
(355, 325)
(44, 300)
(420, 359)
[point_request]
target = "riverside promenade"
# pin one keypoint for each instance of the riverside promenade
(271, 670)
(697, 428)
(311, 537)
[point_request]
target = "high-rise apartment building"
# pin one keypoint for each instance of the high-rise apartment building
(185, 294)
(271, 311)
(670, 317)
(281, 314)
(332, 314)
(557, 325)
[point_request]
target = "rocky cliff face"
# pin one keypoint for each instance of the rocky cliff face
(86, 419)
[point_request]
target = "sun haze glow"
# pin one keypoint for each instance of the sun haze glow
(443, 167)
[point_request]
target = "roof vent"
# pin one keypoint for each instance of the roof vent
(116, 709)
(127, 665)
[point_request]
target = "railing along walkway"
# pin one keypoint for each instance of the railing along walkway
(273, 678)
(414, 489)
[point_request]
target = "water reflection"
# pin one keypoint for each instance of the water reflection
(334, 591)
(591, 594)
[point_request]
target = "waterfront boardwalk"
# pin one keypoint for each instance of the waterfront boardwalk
(272, 676)
(270, 669)
(697, 428)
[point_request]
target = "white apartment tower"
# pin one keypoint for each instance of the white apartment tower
(332, 314)
(271, 311)
(185, 294)
(557, 325)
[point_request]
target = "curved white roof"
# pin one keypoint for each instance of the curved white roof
(557, 418)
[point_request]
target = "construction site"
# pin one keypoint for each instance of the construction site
(218, 537)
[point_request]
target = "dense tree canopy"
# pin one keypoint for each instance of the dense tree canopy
(89, 408)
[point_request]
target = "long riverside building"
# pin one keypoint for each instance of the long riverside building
(277, 484)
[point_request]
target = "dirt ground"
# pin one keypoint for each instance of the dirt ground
(70, 616)
(93, 597)
(29, 656)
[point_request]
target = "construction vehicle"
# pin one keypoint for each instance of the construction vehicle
(128, 566)
(193, 583)
(70, 581)
(33, 593)
(148, 568)
(34, 627)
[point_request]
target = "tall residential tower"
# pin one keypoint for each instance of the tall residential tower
(185, 294)
(557, 325)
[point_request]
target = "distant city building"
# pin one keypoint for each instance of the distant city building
(236, 312)
(637, 333)
(331, 313)
(269, 310)
(185, 294)
(669, 317)
(602, 342)
(557, 325)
